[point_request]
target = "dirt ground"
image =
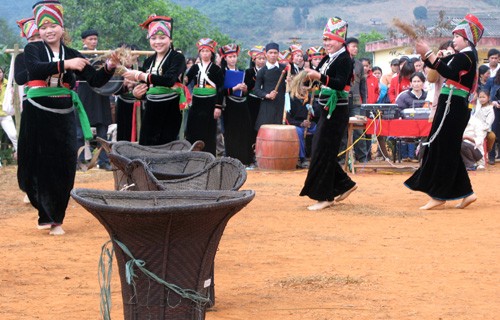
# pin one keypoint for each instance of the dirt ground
(374, 256)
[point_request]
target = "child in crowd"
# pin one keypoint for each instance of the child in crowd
(485, 114)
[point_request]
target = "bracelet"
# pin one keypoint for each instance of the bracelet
(428, 54)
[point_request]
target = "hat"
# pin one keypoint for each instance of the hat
(88, 33)
(284, 55)
(28, 27)
(206, 43)
(158, 25)
(255, 51)
(470, 28)
(351, 40)
(48, 12)
(316, 52)
(335, 29)
(295, 48)
(272, 46)
(229, 49)
(395, 62)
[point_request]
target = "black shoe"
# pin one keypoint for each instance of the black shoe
(105, 166)
(491, 161)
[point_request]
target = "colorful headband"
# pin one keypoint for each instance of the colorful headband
(229, 49)
(255, 51)
(28, 28)
(284, 55)
(316, 52)
(50, 11)
(206, 43)
(335, 29)
(158, 25)
(470, 28)
(296, 48)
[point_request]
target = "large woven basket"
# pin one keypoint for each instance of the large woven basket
(129, 149)
(166, 166)
(176, 233)
(222, 174)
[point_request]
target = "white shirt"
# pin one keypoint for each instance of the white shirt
(493, 72)
(270, 66)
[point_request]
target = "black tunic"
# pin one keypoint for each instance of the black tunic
(237, 128)
(20, 71)
(326, 179)
(443, 175)
(97, 106)
(201, 124)
(253, 100)
(124, 109)
(162, 117)
(271, 111)
(47, 140)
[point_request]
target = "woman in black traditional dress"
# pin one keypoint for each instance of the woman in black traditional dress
(326, 180)
(47, 138)
(443, 175)
(29, 30)
(208, 94)
(159, 77)
(236, 116)
(257, 61)
(125, 101)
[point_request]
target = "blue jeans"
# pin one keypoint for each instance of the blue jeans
(302, 140)
(408, 150)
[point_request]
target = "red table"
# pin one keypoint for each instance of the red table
(399, 128)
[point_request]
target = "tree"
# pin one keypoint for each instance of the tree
(7, 36)
(363, 39)
(297, 17)
(420, 13)
(118, 22)
(305, 14)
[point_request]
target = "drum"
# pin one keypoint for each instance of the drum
(277, 147)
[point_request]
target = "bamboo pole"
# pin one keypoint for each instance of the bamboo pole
(135, 52)
(16, 101)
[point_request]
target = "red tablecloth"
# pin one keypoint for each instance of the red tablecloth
(399, 128)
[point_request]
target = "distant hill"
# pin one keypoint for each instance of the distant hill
(259, 21)
(13, 10)
(254, 22)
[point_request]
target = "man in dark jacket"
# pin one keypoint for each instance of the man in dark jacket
(97, 106)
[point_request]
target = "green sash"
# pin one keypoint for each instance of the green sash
(167, 90)
(77, 103)
(456, 92)
(334, 95)
(204, 91)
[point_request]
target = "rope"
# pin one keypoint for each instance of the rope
(104, 275)
(360, 137)
(376, 131)
(130, 275)
(446, 111)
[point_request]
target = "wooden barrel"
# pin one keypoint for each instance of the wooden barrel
(277, 147)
